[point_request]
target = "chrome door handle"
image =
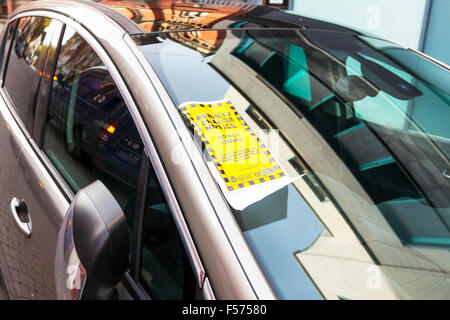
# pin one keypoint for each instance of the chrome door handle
(21, 216)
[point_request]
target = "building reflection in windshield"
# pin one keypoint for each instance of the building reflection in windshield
(183, 15)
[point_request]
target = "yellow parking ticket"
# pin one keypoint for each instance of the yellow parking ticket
(239, 155)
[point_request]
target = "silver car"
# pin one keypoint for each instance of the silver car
(218, 150)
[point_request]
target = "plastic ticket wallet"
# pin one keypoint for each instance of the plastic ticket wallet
(245, 169)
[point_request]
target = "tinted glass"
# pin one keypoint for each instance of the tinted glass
(7, 35)
(90, 135)
(89, 132)
(360, 124)
(165, 272)
(28, 53)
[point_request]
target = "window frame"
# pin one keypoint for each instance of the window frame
(6, 48)
(41, 109)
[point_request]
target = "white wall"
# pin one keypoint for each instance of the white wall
(397, 20)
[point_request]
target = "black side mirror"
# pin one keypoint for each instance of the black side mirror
(92, 252)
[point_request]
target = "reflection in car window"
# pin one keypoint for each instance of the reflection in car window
(29, 50)
(89, 133)
(8, 33)
(364, 123)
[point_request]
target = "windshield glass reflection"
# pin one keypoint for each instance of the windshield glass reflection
(364, 123)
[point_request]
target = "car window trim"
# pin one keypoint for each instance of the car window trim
(8, 47)
(42, 105)
(31, 108)
(134, 288)
(50, 58)
(3, 43)
(136, 248)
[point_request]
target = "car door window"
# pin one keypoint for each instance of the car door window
(28, 53)
(165, 272)
(89, 133)
(7, 36)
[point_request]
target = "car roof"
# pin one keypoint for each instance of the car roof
(144, 16)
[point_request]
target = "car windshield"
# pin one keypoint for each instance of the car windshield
(360, 126)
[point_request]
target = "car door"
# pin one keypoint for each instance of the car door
(31, 207)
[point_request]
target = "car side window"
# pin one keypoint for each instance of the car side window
(7, 35)
(28, 53)
(89, 133)
(165, 272)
